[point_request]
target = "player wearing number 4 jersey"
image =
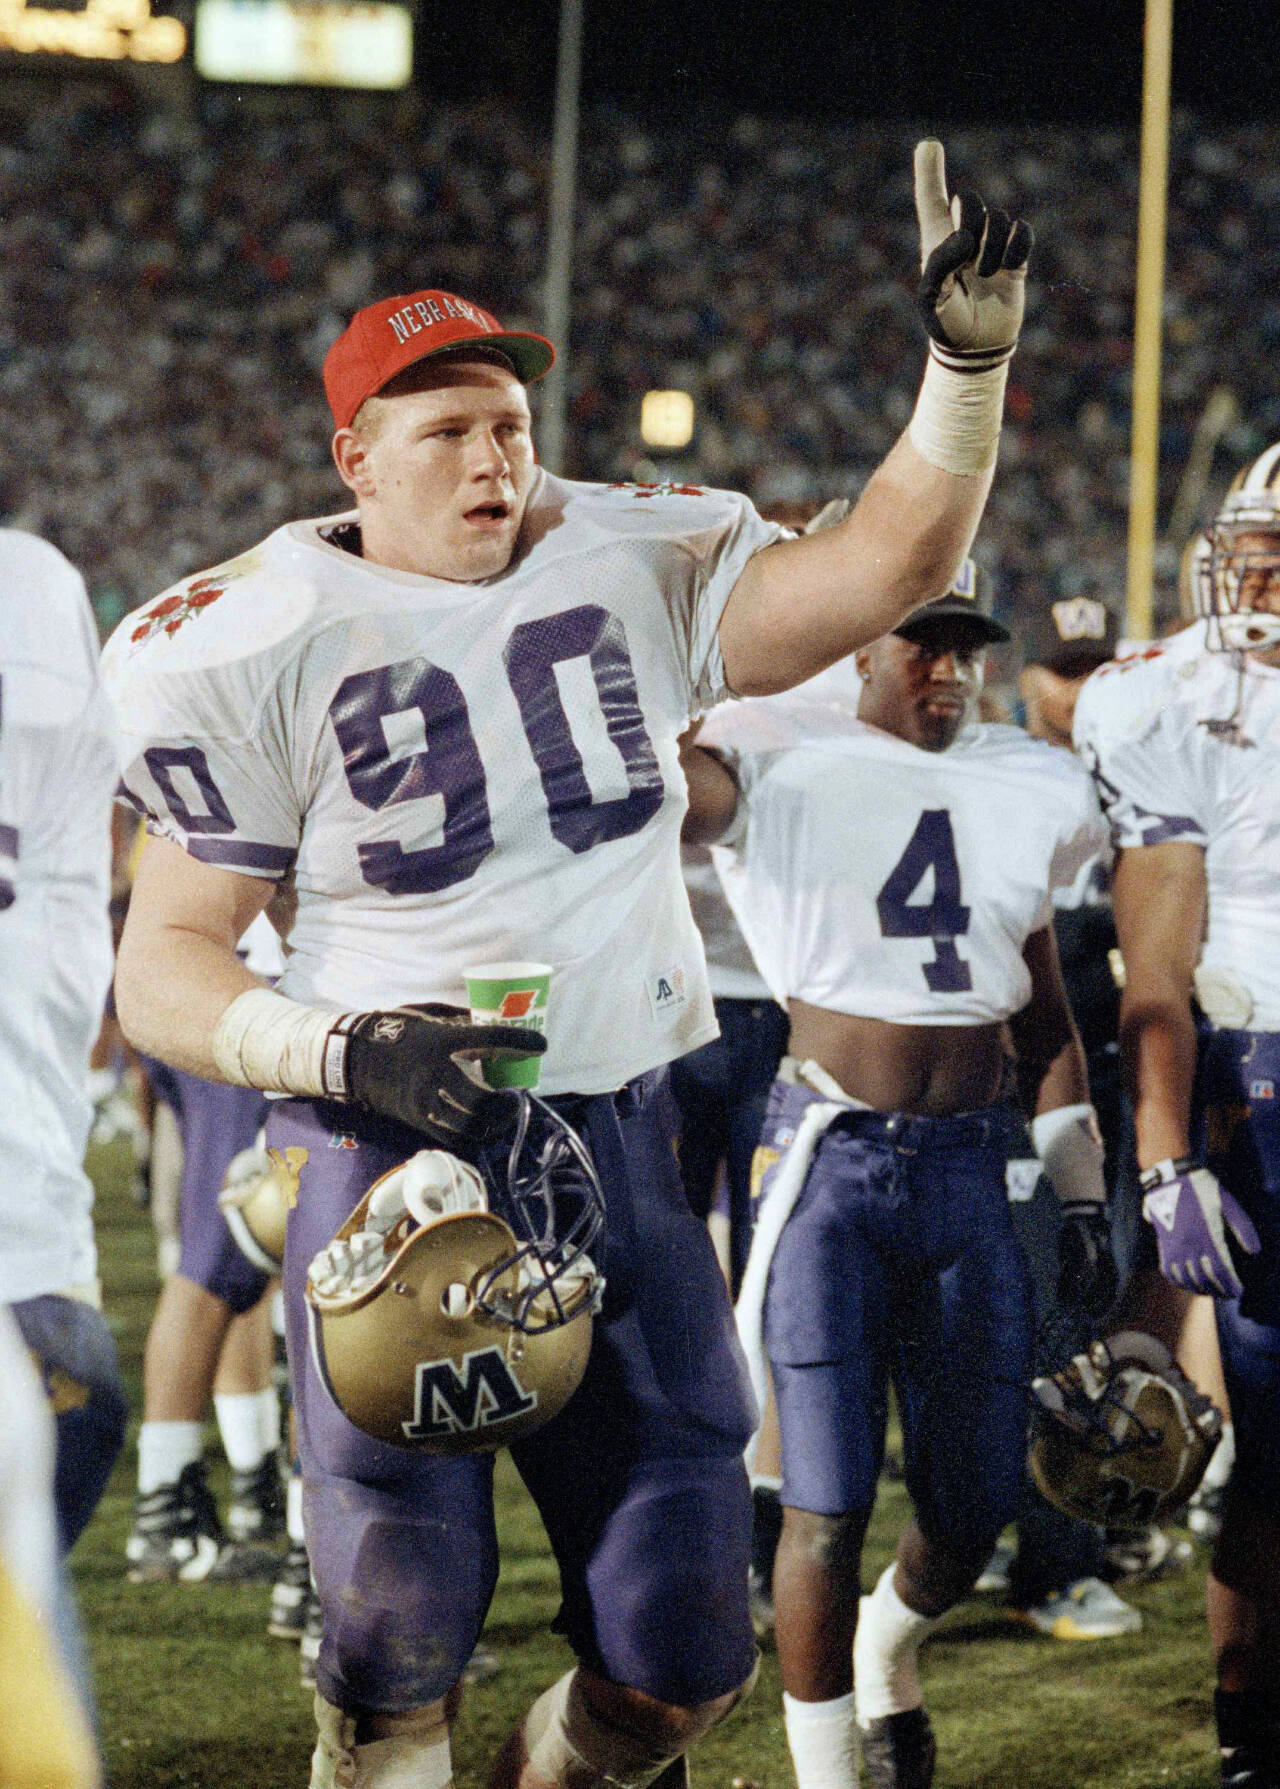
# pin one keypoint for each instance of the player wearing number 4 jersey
(892, 869)
(441, 730)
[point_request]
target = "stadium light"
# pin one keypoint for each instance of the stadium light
(366, 44)
(103, 30)
(666, 419)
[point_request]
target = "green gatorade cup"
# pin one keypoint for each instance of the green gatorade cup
(510, 994)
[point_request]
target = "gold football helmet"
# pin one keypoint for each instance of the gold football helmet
(258, 1190)
(452, 1311)
(1120, 1436)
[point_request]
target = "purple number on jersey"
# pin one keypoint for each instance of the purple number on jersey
(8, 842)
(932, 846)
(533, 651)
(450, 768)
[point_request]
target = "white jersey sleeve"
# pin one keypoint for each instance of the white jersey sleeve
(57, 777)
(1139, 742)
(446, 774)
(876, 879)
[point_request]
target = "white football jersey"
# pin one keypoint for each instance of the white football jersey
(57, 777)
(873, 878)
(1162, 775)
(446, 774)
(731, 968)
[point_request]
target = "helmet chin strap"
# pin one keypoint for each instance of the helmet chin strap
(1249, 630)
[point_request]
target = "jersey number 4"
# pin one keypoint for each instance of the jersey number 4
(945, 917)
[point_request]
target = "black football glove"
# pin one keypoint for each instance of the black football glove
(1087, 1278)
(408, 1064)
(973, 269)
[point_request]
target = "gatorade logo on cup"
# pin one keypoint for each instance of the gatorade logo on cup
(510, 994)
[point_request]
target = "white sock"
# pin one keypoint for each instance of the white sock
(885, 1680)
(247, 1421)
(164, 1448)
(293, 1508)
(764, 1481)
(823, 1740)
(1221, 1460)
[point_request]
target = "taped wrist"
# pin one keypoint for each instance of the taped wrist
(1068, 1142)
(958, 414)
(266, 1041)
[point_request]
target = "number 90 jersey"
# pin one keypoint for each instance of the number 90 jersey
(877, 879)
(445, 774)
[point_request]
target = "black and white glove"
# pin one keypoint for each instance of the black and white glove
(411, 1064)
(1087, 1278)
(973, 269)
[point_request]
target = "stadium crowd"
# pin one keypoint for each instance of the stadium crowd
(169, 286)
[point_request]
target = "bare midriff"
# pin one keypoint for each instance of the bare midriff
(929, 1069)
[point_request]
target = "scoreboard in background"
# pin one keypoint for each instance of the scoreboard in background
(315, 43)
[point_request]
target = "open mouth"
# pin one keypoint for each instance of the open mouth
(488, 515)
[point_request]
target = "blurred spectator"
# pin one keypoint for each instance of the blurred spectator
(169, 284)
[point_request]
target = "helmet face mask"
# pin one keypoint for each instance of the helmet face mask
(1119, 1436)
(452, 1311)
(1237, 577)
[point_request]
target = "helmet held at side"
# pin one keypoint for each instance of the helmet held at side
(1120, 1437)
(258, 1189)
(452, 1312)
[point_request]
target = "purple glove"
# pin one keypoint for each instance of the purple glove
(1191, 1214)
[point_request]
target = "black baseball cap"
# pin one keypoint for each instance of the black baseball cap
(966, 598)
(1071, 637)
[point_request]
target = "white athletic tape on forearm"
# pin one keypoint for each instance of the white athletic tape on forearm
(264, 1040)
(957, 418)
(1068, 1143)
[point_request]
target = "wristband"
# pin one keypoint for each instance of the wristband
(1163, 1173)
(278, 1045)
(958, 414)
(1068, 1143)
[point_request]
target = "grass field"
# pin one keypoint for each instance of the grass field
(192, 1691)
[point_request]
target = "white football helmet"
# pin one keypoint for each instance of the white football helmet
(1231, 578)
(452, 1311)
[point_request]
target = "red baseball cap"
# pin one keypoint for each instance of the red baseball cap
(385, 338)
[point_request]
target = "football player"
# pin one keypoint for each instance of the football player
(440, 730)
(209, 1335)
(57, 778)
(1184, 737)
(892, 868)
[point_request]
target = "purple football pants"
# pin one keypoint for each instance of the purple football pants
(899, 1263)
(639, 1479)
(216, 1122)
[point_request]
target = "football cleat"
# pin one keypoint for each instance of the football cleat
(290, 1595)
(994, 1578)
(483, 1664)
(256, 1509)
(1204, 1513)
(177, 1538)
(1085, 1610)
(309, 1639)
(898, 1751)
(760, 1603)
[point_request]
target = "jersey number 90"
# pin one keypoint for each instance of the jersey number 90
(450, 767)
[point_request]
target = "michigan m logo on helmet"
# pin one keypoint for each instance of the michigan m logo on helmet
(447, 1401)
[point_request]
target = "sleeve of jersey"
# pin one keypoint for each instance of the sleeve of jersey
(204, 773)
(1145, 778)
(720, 553)
(1083, 837)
